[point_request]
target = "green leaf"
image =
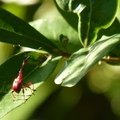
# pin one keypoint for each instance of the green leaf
(113, 29)
(53, 28)
(32, 72)
(15, 31)
(93, 15)
(69, 16)
(83, 60)
(71, 6)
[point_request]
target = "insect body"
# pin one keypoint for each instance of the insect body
(18, 82)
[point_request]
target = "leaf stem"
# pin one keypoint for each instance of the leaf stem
(59, 52)
(110, 59)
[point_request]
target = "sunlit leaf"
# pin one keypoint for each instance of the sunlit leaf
(13, 30)
(32, 72)
(83, 60)
(53, 28)
(92, 16)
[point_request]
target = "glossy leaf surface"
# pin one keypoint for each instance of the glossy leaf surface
(13, 30)
(83, 60)
(92, 16)
(32, 72)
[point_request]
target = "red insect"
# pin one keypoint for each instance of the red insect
(18, 82)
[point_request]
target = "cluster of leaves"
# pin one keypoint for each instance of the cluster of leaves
(88, 31)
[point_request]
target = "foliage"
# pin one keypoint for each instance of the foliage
(88, 31)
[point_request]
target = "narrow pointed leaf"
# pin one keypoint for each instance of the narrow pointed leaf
(32, 73)
(15, 31)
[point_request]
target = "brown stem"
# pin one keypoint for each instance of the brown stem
(65, 54)
(110, 59)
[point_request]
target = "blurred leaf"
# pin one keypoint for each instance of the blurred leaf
(16, 9)
(93, 15)
(53, 28)
(84, 59)
(15, 31)
(32, 73)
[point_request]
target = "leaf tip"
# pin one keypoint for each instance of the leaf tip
(58, 81)
(66, 84)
